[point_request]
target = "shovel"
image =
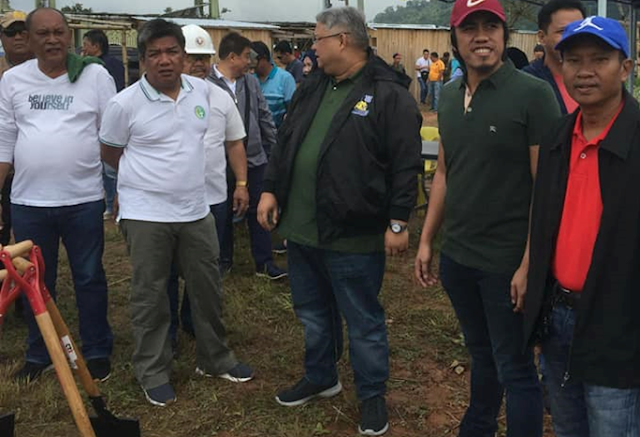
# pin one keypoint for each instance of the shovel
(105, 423)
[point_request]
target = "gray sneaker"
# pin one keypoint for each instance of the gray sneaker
(305, 391)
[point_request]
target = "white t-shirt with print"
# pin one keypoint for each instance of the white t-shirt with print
(424, 65)
(225, 124)
(49, 130)
(161, 171)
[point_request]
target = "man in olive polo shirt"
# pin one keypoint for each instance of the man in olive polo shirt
(344, 174)
(491, 122)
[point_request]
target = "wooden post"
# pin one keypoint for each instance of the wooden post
(125, 58)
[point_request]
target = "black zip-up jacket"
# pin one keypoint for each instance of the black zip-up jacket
(368, 161)
(606, 343)
(541, 71)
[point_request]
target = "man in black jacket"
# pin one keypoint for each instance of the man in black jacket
(584, 271)
(553, 18)
(343, 174)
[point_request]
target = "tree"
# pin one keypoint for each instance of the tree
(77, 8)
(168, 10)
(522, 15)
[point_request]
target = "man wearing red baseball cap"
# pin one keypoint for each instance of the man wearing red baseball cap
(491, 123)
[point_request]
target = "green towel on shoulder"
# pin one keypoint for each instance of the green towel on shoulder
(76, 63)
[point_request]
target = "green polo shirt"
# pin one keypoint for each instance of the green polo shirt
(298, 222)
(489, 182)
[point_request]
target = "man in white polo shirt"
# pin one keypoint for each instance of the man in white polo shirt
(50, 110)
(153, 133)
(224, 137)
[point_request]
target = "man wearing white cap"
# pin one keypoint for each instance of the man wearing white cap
(584, 297)
(491, 123)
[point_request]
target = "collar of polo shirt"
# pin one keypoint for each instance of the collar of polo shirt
(154, 95)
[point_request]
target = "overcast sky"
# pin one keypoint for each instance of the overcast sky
(250, 10)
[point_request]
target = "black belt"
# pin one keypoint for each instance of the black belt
(564, 296)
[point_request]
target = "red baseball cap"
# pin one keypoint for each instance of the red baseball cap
(463, 8)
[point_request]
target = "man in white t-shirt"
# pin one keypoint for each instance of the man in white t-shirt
(153, 133)
(50, 111)
(423, 64)
(224, 134)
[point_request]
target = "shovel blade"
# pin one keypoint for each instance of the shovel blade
(7, 423)
(114, 427)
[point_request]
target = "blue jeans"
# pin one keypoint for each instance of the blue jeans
(260, 238)
(493, 335)
(578, 409)
(424, 90)
(80, 227)
(185, 319)
(434, 93)
(325, 284)
(109, 182)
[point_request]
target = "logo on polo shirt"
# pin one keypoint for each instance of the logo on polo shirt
(200, 112)
(362, 107)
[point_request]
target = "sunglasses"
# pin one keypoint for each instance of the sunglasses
(10, 33)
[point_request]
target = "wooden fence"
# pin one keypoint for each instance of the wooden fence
(411, 42)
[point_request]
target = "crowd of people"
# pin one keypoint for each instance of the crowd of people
(541, 243)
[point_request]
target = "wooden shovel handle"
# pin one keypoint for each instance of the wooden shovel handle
(64, 375)
(81, 369)
(20, 249)
(90, 386)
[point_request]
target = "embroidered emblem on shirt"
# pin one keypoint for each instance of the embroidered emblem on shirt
(362, 107)
(493, 129)
(200, 112)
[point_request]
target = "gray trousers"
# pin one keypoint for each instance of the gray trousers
(152, 247)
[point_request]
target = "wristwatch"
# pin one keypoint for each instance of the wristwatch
(397, 228)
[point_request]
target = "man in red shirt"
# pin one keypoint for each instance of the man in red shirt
(583, 296)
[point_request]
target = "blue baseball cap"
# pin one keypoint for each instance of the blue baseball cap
(608, 30)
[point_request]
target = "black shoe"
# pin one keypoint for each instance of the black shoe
(239, 373)
(304, 391)
(374, 419)
(280, 249)
(31, 371)
(160, 396)
(100, 368)
(271, 271)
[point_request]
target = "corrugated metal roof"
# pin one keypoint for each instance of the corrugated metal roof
(211, 23)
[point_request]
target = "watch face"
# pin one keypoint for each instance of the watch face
(396, 228)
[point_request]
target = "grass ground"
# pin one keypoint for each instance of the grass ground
(429, 366)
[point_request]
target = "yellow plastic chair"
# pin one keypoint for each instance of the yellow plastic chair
(427, 133)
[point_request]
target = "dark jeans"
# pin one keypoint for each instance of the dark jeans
(493, 336)
(434, 93)
(424, 90)
(325, 284)
(260, 239)
(578, 409)
(80, 227)
(185, 319)
(5, 232)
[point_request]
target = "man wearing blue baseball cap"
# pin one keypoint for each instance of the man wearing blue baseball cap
(584, 273)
